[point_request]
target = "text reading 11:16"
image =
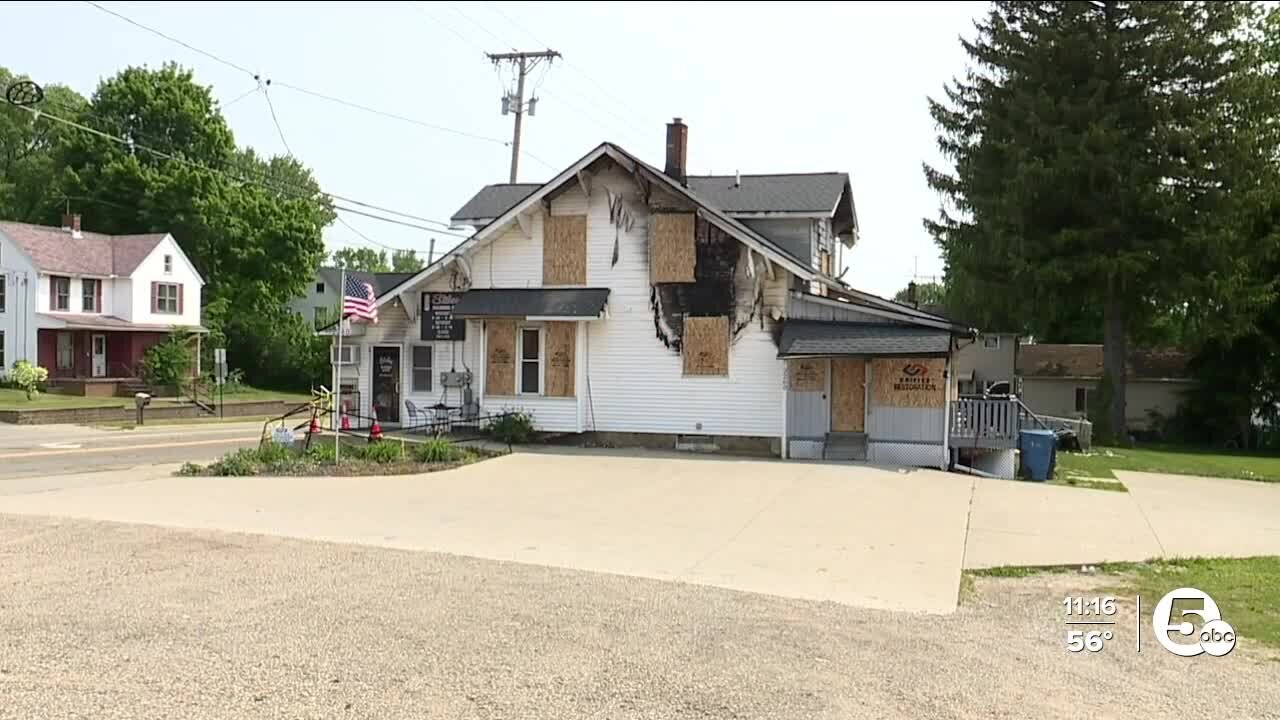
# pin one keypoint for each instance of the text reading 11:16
(1089, 606)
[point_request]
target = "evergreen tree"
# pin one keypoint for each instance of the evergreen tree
(1105, 154)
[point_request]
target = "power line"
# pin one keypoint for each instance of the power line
(284, 189)
(494, 7)
(266, 93)
(246, 94)
(172, 39)
(313, 93)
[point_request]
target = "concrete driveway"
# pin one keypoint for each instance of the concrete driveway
(856, 535)
(851, 534)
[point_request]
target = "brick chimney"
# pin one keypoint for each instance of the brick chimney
(677, 151)
(71, 224)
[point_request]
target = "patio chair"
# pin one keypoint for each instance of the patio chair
(416, 417)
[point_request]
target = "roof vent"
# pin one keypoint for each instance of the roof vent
(737, 179)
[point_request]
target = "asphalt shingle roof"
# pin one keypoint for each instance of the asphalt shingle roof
(493, 200)
(533, 302)
(815, 337)
(54, 250)
(381, 282)
(1085, 361)
(804, 192)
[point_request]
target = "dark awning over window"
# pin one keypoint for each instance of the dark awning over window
(812, 337)
(540, 302)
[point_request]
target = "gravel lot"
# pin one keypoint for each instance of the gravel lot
(103, 620)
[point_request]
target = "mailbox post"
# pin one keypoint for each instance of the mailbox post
(141, 400)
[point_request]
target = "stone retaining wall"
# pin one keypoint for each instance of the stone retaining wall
(123, 413)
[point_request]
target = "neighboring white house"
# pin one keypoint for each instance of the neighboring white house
(618, 298)
(319, 304)
(1060, 380)
(86, 306)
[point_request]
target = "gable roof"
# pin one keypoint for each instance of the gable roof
(1048, 360)
(493, 200)
(741, 232)
(381, 282)
(782, 193)
(54, 250)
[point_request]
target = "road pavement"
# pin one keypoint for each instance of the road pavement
(36, 451)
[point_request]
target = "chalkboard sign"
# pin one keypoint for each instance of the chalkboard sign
(437, 317)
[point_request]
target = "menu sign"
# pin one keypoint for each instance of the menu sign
(438, 322)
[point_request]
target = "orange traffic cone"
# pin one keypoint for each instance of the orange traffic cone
(346, 421)
(375, 432)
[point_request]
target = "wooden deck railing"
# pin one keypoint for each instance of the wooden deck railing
(985, 423)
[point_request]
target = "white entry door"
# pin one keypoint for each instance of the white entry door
(99, 367)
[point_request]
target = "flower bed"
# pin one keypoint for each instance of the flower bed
(388, 457)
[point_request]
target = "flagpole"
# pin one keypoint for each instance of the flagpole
(337, 361)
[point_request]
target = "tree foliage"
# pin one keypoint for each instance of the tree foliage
(406, 261)
(362, 259)
(930, 293)
(170, 361)
(1113, 166)
(250, 224)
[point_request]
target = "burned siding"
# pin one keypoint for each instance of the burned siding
(728, 282)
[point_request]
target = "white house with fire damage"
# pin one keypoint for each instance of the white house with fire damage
(619, 298)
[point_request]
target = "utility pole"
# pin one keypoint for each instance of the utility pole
(524, 62)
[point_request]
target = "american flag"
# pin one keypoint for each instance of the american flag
(358, 300)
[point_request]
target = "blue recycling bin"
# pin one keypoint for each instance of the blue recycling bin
(1038, 449)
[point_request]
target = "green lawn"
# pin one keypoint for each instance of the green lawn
(11, 399)
(1243, 588)
(247, 393)
(1100, 461)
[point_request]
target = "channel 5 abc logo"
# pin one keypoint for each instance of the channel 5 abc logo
(1216, 637)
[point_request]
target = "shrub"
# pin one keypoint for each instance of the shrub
(321, 453)
(168, 362)
(435, 450)
(239, 463)
(28, 377)
(190, 468)
(381, 452)
(270, 453)
(513, 428)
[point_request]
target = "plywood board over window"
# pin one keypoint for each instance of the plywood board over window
(561, 343)
(672, 253)
(705, 345)
(564, 250)
(500, 360)
(807, 374)
(908, 382)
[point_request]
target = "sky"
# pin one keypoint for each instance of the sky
(763, 87)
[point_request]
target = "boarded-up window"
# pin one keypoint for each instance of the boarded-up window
(561, 341)
(672, 254)
(807, 375)
(564, 250)
(500, 363)
(908, 382)
(706, 345)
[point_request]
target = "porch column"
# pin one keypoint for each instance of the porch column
(197, 355)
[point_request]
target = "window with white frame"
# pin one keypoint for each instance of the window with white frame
(422, 368)
(61, 296)
(991, 342)
(530, 354)
(89, 294)
(167, 298)
(319, 288)
(350, 355)
(168, 264)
